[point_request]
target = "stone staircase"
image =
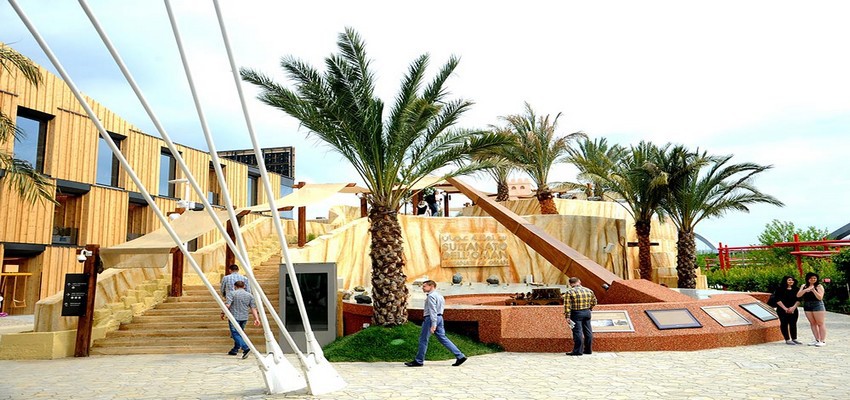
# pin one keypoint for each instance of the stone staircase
(188, 324)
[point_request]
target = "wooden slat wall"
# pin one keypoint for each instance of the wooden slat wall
(23, 222)
(102, 215)
(56, 261)
(104, 220)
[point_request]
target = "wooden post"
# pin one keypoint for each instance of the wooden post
(84, 325)
(446, 198)
(229, 257)
(176, 274)
(363, 206)
(302, 226)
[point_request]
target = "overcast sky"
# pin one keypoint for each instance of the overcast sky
(766, 81)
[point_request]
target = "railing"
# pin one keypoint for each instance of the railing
(65, 235)
(725, 259)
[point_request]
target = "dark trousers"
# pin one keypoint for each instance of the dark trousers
(788, 323)
(582, 333)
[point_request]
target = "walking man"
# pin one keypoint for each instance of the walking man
(432, 322)
(232, 277)
(578, 301)
(240, 302)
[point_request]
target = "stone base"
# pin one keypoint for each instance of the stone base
(544, 328)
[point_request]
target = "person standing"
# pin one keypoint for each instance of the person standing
(240, 302)
(578, 303)
(232, 277)
(786, 308)
(812, 295)
(432, 323)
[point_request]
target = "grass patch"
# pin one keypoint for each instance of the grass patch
(399, 343)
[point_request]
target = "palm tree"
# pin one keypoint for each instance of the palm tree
(497, 167)
(30, 185)
(636, 176)
(536, 150)
(709, 191)
(596, 152)
(391, 153)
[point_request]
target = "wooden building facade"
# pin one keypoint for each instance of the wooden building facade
(98, 203)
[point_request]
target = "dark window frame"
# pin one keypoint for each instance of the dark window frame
(43, 119)
(115, 165)
(171, 189)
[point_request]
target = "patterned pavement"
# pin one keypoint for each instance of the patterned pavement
(766, 371)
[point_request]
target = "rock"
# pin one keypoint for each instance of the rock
(493, 280)
(359, 289)
(457, 279)
(363, 299)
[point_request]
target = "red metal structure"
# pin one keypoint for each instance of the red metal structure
(829, 247)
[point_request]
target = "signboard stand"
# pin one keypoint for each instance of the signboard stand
(84, 325)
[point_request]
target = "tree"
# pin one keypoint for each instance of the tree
(711, 187)
(536, 149)
(497, 167)
(777, 231)
(390, 155)
(21, 177)
(593, 152)
(635, 175)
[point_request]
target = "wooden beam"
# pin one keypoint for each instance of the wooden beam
(84, 325)
(302, 226)
(176, 274)
(563, 257)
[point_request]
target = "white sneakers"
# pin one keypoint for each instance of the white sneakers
(797, 341)
(817, 343)
(791, 342)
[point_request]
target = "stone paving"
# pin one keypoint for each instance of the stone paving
(767, 371)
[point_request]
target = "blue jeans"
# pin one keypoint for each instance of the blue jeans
(238, 343)
(440, 333)
(582, 332)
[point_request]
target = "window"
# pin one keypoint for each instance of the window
(32, 144)
(107, 164)
(285, 189)
(214, 191)
(253, 181)
(167, 172)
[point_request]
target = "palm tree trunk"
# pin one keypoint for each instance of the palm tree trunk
(502, 193)
(389, 293)
(547, 205)
(644, 259)
(686, 260)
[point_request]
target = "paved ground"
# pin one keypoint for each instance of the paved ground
(768, 371)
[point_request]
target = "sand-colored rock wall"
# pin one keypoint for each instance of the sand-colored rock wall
(665, 234)
(428, 240)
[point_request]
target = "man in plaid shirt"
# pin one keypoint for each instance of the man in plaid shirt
(578, 301)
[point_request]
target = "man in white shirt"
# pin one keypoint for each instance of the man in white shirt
(432, 322)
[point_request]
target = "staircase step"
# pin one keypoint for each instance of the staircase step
(221, 341)
(190, 324)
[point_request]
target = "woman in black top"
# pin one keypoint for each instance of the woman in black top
(786, 308)
(812, 296)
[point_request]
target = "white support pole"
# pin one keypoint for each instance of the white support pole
(162, 218)
(321, 376)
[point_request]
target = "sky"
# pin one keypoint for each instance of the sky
(765, 81)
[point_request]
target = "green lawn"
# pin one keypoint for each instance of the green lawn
(398, 343)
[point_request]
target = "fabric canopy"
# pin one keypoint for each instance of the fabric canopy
(190, 225)
(309, 194)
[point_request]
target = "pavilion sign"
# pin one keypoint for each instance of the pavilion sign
(473, 250)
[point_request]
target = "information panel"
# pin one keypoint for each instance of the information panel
(76, 292)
